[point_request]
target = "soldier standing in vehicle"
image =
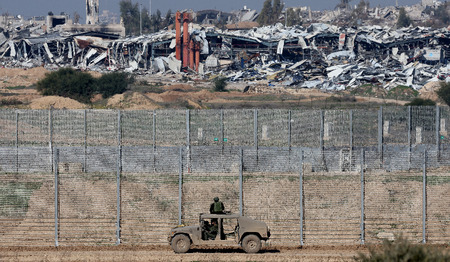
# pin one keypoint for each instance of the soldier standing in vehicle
(217, 207)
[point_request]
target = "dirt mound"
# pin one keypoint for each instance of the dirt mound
(57, 102)
(10, 77)
(132, 101)
(429, 91)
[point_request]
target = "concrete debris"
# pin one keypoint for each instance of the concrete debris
(317, 56)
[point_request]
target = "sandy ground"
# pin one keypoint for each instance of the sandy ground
(164, 253)
(18, 84)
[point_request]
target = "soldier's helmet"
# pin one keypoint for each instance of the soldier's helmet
(216, 199)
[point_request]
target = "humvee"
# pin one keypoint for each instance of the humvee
(232, 230)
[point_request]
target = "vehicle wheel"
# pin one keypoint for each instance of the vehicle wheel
(181, 243)
(251, 244)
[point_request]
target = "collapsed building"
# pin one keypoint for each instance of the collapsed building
(320, 55)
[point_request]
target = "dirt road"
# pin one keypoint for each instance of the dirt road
(164, 253)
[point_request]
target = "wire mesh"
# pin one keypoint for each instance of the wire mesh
(206, 128)
(393, 205)
(273, 128)
(26, 209)
(332, 205)
(395, 125)
(8, 130)
(33, 127)
(87, 201)
(68, 127)
(275, 199)
(239, 127)
(306, 128)
(365, 127)
(135, 163)
(337, 128)
(170, 127)
(137, 128)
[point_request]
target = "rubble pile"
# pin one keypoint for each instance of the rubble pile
(317, 56)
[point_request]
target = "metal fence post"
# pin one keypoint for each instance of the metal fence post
(188, 140)
(241, 180)
(301, 198)
(322, 127)
(438, 131)
(290, 130)
(351, 138)
(380, 134)
(351, 129)
(362, 199)
(56, 161)
(409, 137)
(50, 134)
(424, 198)
(154, 140)
(255, 128)
(222, 135)
(85, 142)
(180, 185)
(119, 167)
(17, 141)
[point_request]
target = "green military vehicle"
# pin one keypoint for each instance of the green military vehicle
(220, 230)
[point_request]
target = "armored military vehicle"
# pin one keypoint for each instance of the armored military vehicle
(220, 230)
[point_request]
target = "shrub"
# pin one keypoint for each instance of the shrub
(444, 92)
(220, 84)
(113, 83)
(421, 102)
(80, 86)
(402, 250)
(68, 82)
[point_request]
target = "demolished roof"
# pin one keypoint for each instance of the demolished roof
(321, 55)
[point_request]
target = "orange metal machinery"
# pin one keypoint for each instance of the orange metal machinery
(191, 49)
(185, 39)
(178, 35)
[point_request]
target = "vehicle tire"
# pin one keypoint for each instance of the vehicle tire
(180, 243)
(251, 244)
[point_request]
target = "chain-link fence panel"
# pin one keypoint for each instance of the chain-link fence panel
(33, 127)
(444, 125)
(273, 128)
(87, 202)
(365, 127)
(332, 206)
(208, 173)
(395, 125)
(68, 127)
(306, 128)
(336, 128)
(239, 127)
(271, 160)
(393, 205)
(8, 127)
(27, 210)
(423, 125)
(149, 207)
(171, 127)
(438, 206)
(275, 199)
(206, 127)
(137, 128)
(102, 127)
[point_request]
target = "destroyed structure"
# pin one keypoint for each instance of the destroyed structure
(320, 55)
(92, 12)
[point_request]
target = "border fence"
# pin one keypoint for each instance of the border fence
(105, 177)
